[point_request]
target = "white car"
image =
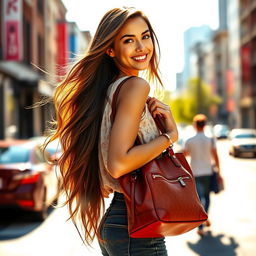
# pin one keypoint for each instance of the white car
(221, 131)
(242, 141)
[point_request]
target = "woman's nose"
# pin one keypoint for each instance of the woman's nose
(139, 46)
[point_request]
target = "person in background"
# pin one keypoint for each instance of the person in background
(202, 151)
(96, 152)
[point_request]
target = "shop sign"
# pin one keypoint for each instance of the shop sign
(12, 28)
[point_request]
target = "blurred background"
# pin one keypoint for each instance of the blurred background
(207, 57)
(208, 64)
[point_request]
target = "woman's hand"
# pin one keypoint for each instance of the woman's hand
(156, 107)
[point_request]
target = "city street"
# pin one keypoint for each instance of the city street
(232, 213)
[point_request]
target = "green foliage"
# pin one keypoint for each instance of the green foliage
(186, 105)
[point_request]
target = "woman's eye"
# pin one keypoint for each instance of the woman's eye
(128, 41)
(146, 36)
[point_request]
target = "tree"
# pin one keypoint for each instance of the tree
(185, 105)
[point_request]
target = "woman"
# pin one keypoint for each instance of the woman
(97, 152)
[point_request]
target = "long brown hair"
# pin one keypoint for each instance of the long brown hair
(79, 104)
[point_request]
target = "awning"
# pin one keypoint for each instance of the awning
(19, 71)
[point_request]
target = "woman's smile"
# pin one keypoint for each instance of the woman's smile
(140, 58)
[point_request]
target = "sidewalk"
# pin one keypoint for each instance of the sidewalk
(190, 244)
(223, 238)
(232, 213)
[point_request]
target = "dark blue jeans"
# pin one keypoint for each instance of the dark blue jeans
(115, 237)
(203, 190)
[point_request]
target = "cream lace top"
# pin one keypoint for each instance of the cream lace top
(147, 132)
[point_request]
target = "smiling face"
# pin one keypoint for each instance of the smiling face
(133, 47)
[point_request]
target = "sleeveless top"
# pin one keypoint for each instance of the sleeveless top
(147, 132)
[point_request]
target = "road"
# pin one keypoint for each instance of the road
(232, 213)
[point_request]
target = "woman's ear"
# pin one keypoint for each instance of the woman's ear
(110, 52)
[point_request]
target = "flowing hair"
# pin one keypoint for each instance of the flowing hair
(79, 104)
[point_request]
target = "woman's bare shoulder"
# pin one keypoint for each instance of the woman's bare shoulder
(137, 81)
(134, 87)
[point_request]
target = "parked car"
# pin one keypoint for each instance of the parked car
(242, 141)
(221, 131)
(27, 179)
(53, 148)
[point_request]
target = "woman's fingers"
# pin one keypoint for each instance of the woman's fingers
(161, 111)
(157, 107)
(150, 101)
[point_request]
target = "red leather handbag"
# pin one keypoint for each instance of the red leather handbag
(161, 196)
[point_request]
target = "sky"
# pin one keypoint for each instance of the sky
(169, 19)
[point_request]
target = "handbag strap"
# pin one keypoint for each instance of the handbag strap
(114, 104)
(156, 119)
(114, 99)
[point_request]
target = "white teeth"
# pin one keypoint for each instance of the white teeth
(140, 57)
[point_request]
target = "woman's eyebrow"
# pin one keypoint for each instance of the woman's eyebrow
(128, 35)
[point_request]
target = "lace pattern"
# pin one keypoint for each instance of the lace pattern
(147, 132)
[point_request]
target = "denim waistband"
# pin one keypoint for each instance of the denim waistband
(118, 195)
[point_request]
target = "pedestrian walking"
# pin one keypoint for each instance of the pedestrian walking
(203, 154)
(95, 151)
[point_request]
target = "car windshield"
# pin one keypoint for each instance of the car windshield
(220, 127)
(245, 136)
(14, 154)
(53, 150)
(54, 147)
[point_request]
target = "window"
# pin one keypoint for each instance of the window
(40, 52)
(40, 7)
(27, 46)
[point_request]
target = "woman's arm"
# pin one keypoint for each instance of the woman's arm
(123, 156)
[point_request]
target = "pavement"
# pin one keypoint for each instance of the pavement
(217, 241)
(232, 214)
(224, 238)
(232, 233)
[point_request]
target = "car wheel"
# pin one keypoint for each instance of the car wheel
(42, 215)
(55, 202)
(236, 154)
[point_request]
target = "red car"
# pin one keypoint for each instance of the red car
(27, 180)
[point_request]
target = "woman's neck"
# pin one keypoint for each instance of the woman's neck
(124, 73)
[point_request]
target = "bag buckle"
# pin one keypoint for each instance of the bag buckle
(182, 182)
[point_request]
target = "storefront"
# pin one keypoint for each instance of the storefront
(19, 91)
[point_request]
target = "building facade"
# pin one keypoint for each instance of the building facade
(220, 41)
(78, 41)
(28, 54)
(234, 66)
(192, 36)
(247, 19)
(23, 40)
